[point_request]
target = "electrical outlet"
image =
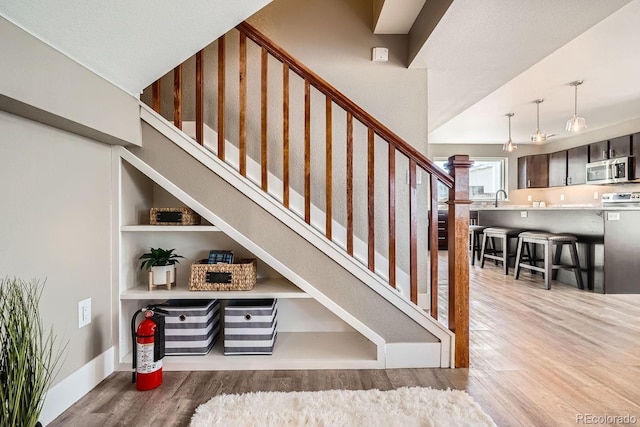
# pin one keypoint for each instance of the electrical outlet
(595, 195)
(84, 312)
(529, 198)
(562, 197)
(523, 214)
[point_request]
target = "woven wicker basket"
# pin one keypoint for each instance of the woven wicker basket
(173, 216)
(239, 276)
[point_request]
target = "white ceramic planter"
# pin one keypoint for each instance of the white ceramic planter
(160, 274)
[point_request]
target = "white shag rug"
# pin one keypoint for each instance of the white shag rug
(404, 407)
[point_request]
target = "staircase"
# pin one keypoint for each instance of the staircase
(336, 254)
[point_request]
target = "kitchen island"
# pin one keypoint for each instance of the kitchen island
(608, 239)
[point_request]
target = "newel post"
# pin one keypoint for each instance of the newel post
(458, 167)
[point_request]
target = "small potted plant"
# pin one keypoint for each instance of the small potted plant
(162, 263)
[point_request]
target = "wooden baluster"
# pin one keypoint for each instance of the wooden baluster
(263, 110)
(413, 233)
(155, 95)
(221, 86)
(349, 183)
(433, 245)
(392, 215)
(177, 96)
(285, 135)
(370, 199)
(328, 168)
(458, 248)
(307, 152)
(242, 132)
(199, 100)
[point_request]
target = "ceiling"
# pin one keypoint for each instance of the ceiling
(492, 57)
(485, 58)
(120, 41)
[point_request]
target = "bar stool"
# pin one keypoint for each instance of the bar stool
(498, 255)
(474, 241)
(549, 242)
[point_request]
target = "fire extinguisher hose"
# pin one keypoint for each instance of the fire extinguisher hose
(134, 356)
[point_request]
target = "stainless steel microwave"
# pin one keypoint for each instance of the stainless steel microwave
(610, 171)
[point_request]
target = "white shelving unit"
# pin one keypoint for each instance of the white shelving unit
(168, 228)
(264, 289)
(310, 336)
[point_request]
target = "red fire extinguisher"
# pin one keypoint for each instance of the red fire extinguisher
(148, 348)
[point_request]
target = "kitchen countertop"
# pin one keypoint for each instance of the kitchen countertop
(508, 207)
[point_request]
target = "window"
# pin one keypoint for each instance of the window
(486, 177)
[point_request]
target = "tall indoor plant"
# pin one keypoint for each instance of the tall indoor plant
(28, 357)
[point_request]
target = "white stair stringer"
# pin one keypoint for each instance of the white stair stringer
(393, 323)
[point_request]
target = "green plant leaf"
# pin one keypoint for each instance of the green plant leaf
(28, 359)
(158, 257)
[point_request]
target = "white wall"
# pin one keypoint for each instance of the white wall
(56, 226)
(38, 82)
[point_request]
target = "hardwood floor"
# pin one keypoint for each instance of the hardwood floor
(538, 358)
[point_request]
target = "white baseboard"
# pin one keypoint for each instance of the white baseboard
(414, 355)
(68, 391)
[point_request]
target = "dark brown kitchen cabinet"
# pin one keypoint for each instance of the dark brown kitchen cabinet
(599, 151)
(620, 147)
(558, 169)
(443, 230)
(635, 151)
(577, 159)
(533, 171)
(610, 149)
(443, 227)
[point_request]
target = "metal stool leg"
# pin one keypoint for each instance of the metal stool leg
(518, 258)
(556, 259)
(505, 253)
(482, 251)
(548, 266)
(576, 265)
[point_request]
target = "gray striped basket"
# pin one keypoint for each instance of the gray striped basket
(250, 326)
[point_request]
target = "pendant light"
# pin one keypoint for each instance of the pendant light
(538, 136)
(509, 146)
(576, 123)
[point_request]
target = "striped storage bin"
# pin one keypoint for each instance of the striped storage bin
(192, 326)
(250, 326)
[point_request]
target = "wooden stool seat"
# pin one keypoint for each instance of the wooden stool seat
(549, 242)
(490, 234)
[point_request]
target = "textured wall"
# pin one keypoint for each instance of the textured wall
(56, 225)
(333, 38)
(40, 83)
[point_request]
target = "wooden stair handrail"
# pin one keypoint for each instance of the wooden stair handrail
(457, 180)
(340, 99)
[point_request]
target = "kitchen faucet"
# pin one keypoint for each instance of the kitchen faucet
(497, 193)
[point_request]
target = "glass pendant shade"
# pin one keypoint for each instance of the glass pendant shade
(538, 136)
(509, 146)
(576, 123)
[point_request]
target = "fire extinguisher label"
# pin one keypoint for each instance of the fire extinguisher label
(145, 363)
